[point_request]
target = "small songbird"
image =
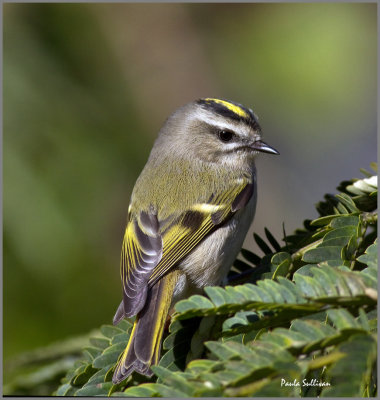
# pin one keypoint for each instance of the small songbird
(190, 210)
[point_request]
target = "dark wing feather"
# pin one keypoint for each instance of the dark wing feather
(141, 252)
(242, 198)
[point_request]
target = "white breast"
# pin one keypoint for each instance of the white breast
(208, 264)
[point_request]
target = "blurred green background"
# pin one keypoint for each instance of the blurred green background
(86, 88)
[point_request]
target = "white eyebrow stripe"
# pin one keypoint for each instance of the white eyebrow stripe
(217, 123)
(239, 128)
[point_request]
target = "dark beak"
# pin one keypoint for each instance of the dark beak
(261, 146)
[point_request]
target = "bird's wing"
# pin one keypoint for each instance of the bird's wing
(150, 248)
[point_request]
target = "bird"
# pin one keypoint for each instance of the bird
(190, 210)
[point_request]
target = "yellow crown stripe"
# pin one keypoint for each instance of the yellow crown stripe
(233, 107)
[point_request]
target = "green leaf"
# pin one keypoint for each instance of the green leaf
(309, 286)
(323, 221)
(166, 391)
(350, 375)
(98, 377)
(221, 350)
(84, 376)
(322, 254)
(102, 343)
(110, 331)
(347, 201)
(174, 379)
(91, 352)
(109, 356)
(344, 231)
(219, 296)
(309, 329)
(343, 221)
(95, 390)
(120, 338)
(143, 390)
(370, 256)
(63, 390)
(194, 302)
(200, 366)
(342, 319)
(282, 261)
(326, 279)
(280, 257)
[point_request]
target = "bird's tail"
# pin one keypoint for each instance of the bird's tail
(144, 346)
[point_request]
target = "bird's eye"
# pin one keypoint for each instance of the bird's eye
(225, 136)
